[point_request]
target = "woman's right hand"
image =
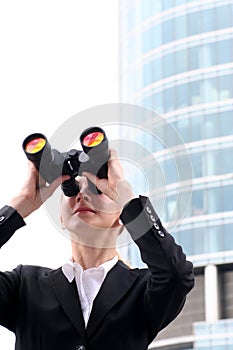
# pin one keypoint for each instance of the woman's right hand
(34, 191)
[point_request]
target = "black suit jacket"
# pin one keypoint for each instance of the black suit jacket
(42, 308)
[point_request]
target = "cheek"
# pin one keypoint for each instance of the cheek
(66, 208)
(104, 205)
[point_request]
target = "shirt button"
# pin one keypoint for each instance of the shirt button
(2, 218)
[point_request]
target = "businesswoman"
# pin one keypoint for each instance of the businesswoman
(94, 301)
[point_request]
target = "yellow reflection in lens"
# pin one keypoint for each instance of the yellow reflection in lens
(35, 145)
(93, 139)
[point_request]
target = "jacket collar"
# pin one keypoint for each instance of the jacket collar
(116, 284)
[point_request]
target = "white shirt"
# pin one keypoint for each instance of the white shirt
(88, 281)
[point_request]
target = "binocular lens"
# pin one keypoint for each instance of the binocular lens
(93, 139)
(35, 145)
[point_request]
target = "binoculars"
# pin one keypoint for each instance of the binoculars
(51, 163)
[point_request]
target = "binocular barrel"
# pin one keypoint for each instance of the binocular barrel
(51, 163)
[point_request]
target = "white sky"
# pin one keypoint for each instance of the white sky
(57, 59)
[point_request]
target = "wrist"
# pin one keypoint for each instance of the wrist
(21, 206)
(124, 194)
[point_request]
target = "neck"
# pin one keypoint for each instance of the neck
(89, 257)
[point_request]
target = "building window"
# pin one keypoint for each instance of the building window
(226, 290)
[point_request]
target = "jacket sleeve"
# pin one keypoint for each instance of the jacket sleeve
(10, 221)
(171, 275)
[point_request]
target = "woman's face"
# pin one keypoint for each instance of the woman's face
(89, 210)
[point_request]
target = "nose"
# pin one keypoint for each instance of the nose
(83, 189)
(83, 196)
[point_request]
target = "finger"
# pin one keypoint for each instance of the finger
(94, 179)
(113, 153)
(115, 170)
(48, 190)
(101, 184)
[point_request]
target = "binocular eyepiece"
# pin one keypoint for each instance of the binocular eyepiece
(51, 163)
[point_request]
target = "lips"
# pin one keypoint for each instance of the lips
(84, 210)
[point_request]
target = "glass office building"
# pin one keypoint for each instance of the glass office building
(176, 58)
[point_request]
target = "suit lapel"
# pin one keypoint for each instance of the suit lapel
(117, 282)
(67, 295)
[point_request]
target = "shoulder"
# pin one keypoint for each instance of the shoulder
(33, 271)
(139, 273)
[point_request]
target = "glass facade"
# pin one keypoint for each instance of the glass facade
(177, 60)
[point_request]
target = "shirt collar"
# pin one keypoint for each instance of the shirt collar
(70, 267)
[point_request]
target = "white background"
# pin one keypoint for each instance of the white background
(57, 59)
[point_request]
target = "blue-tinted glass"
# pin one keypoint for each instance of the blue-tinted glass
(180, 30)
(151, 38)
(214, 53)
(226, 166)
(147, 74)
(167, 4)
(226, 123)
(197, 203)
(223, 17)
(131, 49)
(181, 96)
(208, 20)
(158, 102)
(194, 58)
(211, 126)
(146, 40)
(183, 129)
(157, 67)
(181, 64)
(145, 9)
(208, 90)
(185, 239)
(227, 204)
(213, 204)
(197, 164)
(156, 6)
(154, 102)
(205, 56)
(157, 36)
(211, 163)
(179, 2)
(170, 206)
(228, 237)
(148, 102)
(168, 31)
(194, 23)
(198, 238)
(196, 128)
(168, 67)
(225, 51)
(225, 87)
(214, 239)
(150, 8)
(170, 171)
(131, 18)
(131, 81)
(194, 92)
(169, 100)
